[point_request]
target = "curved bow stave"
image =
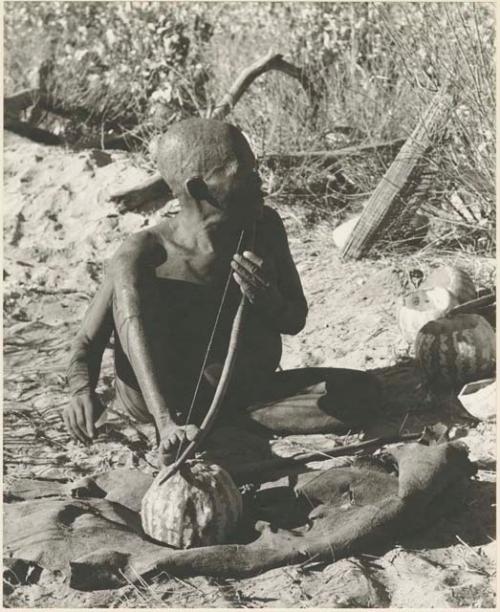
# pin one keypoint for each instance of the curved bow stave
(221, 389)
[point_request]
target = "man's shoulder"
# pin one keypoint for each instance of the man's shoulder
(271, 217)
(148, 245)
(271, 228)
(161, 233)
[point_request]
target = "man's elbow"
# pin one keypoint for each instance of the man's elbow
(297, 323)
(297, 327)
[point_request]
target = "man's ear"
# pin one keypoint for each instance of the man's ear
(198, 190)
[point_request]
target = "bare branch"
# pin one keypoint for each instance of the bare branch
(271, 61)
(147, 193)
(155, 186)
(289, 159)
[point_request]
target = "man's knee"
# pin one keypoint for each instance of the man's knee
(352, 395)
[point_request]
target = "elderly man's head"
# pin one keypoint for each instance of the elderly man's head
(211, 161)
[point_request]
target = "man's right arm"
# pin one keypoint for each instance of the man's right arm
(85, 364)
(136, 310)
(88, 346)
(127, 303)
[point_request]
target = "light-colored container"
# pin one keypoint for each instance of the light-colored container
(479, 398)
(343, 231)
(422, 306)
(455, 280)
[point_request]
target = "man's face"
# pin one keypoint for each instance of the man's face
(220, 155)
(238, 191)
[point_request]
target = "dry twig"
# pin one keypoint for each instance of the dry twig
(155, 188)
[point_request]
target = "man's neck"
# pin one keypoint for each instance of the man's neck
(206, 225)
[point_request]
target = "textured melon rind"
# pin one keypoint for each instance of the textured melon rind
(454, 351)
(197, 506)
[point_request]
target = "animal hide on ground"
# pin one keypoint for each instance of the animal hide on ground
(91, 529)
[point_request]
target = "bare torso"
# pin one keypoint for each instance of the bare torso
(163, 291)
(190, 285)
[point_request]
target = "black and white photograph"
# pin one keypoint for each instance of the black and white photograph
(249, 304)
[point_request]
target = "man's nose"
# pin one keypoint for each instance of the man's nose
(257, 183)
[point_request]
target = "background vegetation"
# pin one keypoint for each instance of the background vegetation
(377, 66)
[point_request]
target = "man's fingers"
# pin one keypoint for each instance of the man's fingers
(66, 421)
(75, 430)
(241, 271)
(89, 417)
(249, 270)
(254, 264)
(177, 437)
(191, 432)
(255, 259)
(246, 288)
(254, 270)
(237, 278)
(70, 420)
(166, 445)
(80, 423)
(166, 455)
(246, 276)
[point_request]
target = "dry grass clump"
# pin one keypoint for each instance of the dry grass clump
(375, 67)
(378, 66)
(109, 67)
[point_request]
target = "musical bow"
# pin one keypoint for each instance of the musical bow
(227, 369)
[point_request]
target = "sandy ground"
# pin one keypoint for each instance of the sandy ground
(59, 231)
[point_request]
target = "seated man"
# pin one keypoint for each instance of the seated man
(162, 295)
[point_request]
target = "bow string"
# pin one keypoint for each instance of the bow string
(227, 369)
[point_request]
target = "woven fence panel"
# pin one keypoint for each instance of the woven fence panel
(404, 184)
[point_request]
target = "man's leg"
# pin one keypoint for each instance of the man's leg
(129, 398)
(318, 400)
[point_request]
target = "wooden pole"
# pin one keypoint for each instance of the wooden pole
(388, 200)
(23, 128)
(331, 157)
(260, 470)
(20, 101)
